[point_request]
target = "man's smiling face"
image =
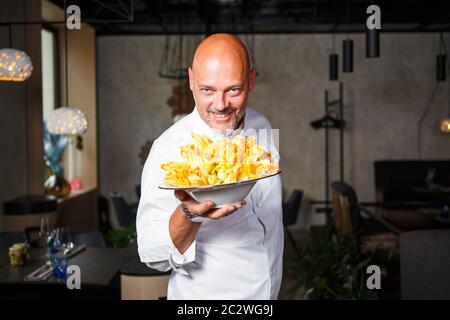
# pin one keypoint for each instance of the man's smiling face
(221, 80)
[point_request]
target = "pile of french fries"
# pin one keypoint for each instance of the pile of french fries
(207, 162)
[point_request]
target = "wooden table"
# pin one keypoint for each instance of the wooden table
(418, 219)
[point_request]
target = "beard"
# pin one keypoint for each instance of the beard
(237, 116)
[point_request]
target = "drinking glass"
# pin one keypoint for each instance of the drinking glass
(43, 237)
(43, 232)
(59, 265)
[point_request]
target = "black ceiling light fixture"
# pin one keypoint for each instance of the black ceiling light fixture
(347, 48)
(440, 67)
(372, 43)
(347, 52)
(334, 63)
(334, 66)
(334, 58)
(373, 26)
(441, 60)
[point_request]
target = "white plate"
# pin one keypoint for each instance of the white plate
(222, 194)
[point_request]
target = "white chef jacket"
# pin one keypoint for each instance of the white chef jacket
(235, 257)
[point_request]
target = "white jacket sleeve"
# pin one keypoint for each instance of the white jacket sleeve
(155, 246)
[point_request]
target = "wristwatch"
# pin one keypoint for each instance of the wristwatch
(192, 217)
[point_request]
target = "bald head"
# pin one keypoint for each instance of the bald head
(220, 80)
(223, 48)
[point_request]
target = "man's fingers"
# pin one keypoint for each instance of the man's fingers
(203, 207)
(193, 206)
(222, 212)
(225, 211)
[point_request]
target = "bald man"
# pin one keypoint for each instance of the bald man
(234, 252)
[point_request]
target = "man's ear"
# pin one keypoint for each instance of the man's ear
(191, 79)
(251, 79)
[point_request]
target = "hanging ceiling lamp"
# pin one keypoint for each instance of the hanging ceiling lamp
(15, 65)
(373, 26)
(372, 43)
(67, 120)
(347, 48)
(441, 62)
(445, 125)
(176, 59)
(333, 63)
(177, 56)
(178, 52)
(347, 57)
(333, 59)
(333, 67)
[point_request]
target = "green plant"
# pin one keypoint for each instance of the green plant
(121, 238)
(330, 266)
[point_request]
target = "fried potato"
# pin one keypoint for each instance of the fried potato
(208, 162)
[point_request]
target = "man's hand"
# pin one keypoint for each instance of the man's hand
(182, 230)
(204, 208)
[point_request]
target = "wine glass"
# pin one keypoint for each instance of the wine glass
(69, 245)
(43, 236)
(65, 236)
(57, 241)
(43, 232)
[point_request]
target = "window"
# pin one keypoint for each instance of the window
(49, 71)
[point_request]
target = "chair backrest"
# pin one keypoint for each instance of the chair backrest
(7, 239)
(424, 264)
(103, 214)
(345, 208)
(89, 238)
(123, 213)
(292, 207)
(137, 190)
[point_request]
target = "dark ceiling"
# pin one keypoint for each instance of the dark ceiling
(114, 17)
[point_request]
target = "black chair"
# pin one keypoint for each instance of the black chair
(103, 214)
(7, 239)
(125, 213)
(291, 209)
(89, 238)
(370, 229)
(137, 190)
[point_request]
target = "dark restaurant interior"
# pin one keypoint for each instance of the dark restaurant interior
(359, 91)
